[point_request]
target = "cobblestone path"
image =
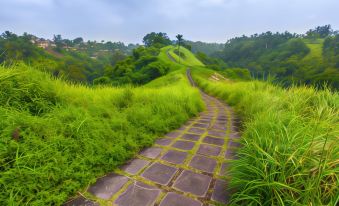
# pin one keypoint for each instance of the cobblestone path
(187, 167)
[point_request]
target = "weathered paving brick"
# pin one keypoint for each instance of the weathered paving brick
(184, 145)
(213, 140)
(193, 183)
(173, 134)
(81, 201)
(206, 149)
(204, 121)
(203, 163)
(220, 193)
(138, 194)
(219, 126)
(224, 168)
(201, 125)
(197, 130)
(134, 166)
(107, 186)
(159, 173)
(175, 157)
(174, 199)
(192, 137)
(230, 153)
(234, 135)
(234, 144)
(151, 152)
(216, 133)
(163, 141)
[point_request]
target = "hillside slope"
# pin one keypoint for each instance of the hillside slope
(56, 137)
(289, 152)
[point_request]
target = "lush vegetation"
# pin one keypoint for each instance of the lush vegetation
(141, 67)
(56, 137)
(206, 48)
(76, 60)
(289, 58)
(289, 153)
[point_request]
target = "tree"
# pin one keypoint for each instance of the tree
(57, 39)
(320, 32)
(156, 39)
(78, 40)
(180, 39)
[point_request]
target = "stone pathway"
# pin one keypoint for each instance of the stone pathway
(187, 167)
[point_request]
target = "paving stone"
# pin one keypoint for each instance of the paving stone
(107, 186)
(197, 130)
(222, 118)
(182, 128)
(213, 140)
(204, 121)
(175, 157)
(201, 125)
(234, 144)
(174, 199)
(224, 168)
(134, 166)
(230, 153)
(206, 149)
(163, 141)
(206, 118)
(216, 133)
(234, 135)
(220, 193)
(235, 128)
(173, 134)
(151, 152)
(159, 173)
(203, 163)
(184, 145)
(138, 194)
(192, 137)
(218, 127)
(81, 201)
(193, 183)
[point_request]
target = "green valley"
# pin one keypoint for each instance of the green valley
(261, 126)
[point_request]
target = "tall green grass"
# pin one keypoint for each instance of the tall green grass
(290, 152)
(189, 58)
(56, 138)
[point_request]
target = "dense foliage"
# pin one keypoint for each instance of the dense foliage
(207, 48)
(141, 67)
(77, 60)
(156, 40)
(56, 138)
(290, 58)
(289, 151)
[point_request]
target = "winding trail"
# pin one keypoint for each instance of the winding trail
(184, 168)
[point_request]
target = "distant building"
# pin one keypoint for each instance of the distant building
(43, 43)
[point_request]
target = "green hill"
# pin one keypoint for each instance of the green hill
(56, 137)
(288, 153)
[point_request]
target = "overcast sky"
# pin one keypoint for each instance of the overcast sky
(130, 20)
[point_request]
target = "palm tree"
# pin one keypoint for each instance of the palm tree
(179, 38)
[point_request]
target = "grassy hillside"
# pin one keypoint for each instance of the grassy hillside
(187, 58)
(57, 137)
(289, 58)
(289, 153)
(316, 47)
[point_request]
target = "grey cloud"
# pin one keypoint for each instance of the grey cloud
(130, 20)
